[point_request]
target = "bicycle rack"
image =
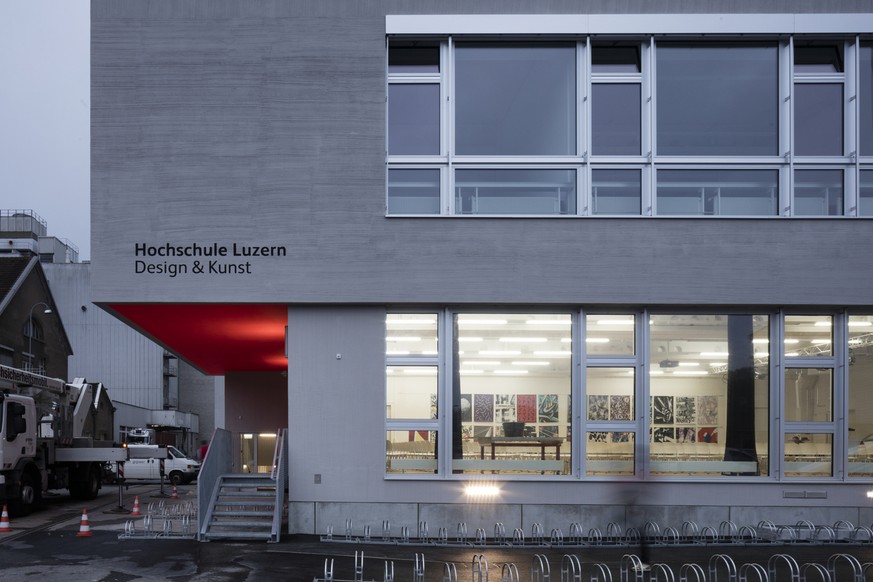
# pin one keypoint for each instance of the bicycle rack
(479, 564)
(687, 569)
(536, 534)
(757, 569)
(791, 563)
(422, 531)
(824, 575)
(723, 560)
(601, 573)
(499, 533)
(359, 566)
(630, 565)
(727, 530)
(659, 569)
(509, 573)
(450, 572)
(540, 571)
(418, 573)
(462, 532)
(571, 568)
(854, 564)
(389, 571)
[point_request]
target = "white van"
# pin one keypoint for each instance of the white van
(178, 468)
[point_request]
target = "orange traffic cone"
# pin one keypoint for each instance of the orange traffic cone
(175, 494)
(4, 521)
(84, 528)
(136, 506)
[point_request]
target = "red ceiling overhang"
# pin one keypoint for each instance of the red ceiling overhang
(216, 338)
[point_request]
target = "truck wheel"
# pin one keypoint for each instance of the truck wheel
(29, 496)
(176, 478)
(89, 488)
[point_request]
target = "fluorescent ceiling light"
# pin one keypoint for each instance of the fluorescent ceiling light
(566, 340)
(510, 372)
(615, 322)
(500, 353)
(689, 363)
(553, 353)
(526, 340)
(482, 321)
(480, 363)
(471, 372)
(690, 373)
(791, 354)
(429, 353)
(469, 339)
(822, 324)
(762, 354)
(860, 323)
(760, 340)
(656, 372)
(397, 353)
(402, 338)
(792, 341)
(714, 354)
(530, 363)
(596, 340)
(717, 364)
(567, 321)
(820, 341)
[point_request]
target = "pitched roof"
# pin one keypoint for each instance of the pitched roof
(12, 272)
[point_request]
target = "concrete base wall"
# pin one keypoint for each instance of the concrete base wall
(316, 518)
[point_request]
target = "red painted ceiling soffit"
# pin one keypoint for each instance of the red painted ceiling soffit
(216, 338)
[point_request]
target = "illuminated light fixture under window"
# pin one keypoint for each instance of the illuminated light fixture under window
(855, 342)
(510, 372)
(761, 340)
(762, 354)
(482, 321)
(482, 490)
(271, 435)
(398, 353)
(791, 354)
(549, 321)
(402, 338)
(714, 354)
(860, 324)
(596, 340)
(429, 353)
(615, 322)
(820, 341)
(470, 339)
(553, 353)
(717, 364)
(870, 495)
(689, 364)
(566, 340)
(822, 324)
(530, 363)
(526, 340)
(500, 353)
(690, 373)
(792, 341)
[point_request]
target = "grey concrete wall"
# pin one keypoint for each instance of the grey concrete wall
(264, 123)
(197, 394)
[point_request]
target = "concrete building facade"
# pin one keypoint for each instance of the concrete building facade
(558, 247)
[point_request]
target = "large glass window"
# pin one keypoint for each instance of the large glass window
(616, 191)
(615, 119)
(818, 98)
(517, 99)
(718, 192)
(499, 191)
(717, 99)
(865, 194)
(709, 394)
(860, 419)
(414, 191)
(414, 119)
(818, 192)
(865, 99)
(511, 393)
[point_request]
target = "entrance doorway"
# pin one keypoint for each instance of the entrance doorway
(256, 452)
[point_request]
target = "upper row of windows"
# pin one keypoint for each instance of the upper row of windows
(461, 114)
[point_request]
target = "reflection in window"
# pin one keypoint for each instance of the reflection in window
(610, 394)
(498, 191)
(515, 99)
(609, 335)
(615, 119)
(865, 98)
(808, 335)
(809, 395)
(413, 119)
(411, 334)
(615, 191)
(717, 99)
(818, 114)
(615, 59)
(818, 192)
(414, 191)
(717, 192)
(808, 455)
(410, 451)
(417, 59)
(412, 392)
(609, 453)
(860, 426)
(511, 393)
(709, 394)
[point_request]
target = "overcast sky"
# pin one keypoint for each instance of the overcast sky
(45, 101)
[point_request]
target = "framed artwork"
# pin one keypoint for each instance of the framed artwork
(686, 410)
(598, 407)
(504, 408)
(620, 408)
(548, 432)
(483, 408)
(662, 410)
(547, 408)
(526, 408)
(707, 434)
(707, 410)
(466, 408)
(663, 435)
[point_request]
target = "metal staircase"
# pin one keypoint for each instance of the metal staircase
(248, 506)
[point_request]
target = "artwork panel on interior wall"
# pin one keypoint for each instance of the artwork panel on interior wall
(597, 437)
(504, 408)
(483, 431)
(663, 435)
(619, 408)
(548, 432)
(547, 408)
(598, 407)
(434, 411)
(707, 409)
(483, 408)
(686, 410)
(466, 408)
(662, 410)
(707, 434)
(686, 434)
(526, 408)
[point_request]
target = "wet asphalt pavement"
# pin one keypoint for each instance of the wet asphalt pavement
(45, 546)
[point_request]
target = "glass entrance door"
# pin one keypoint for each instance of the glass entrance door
(256, 452)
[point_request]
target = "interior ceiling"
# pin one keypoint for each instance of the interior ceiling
(215, 338)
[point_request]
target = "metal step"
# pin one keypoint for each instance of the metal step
(256, 493)
(243, 514)
(239, 535)
(239, 523)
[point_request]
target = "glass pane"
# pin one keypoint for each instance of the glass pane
(611, 335)
(411, 392)
(808, 335)
(818, 192)
(616, 191)
(718, 192)
(860, 428)
(411, 334)
(512, 393)
(818, 58)
(414, 191)
(865, 194)
(610, 394)
(410, 451)
(808, 455)
(717, 100)
(818, 114)
(515, 192)
(413, 119)
(266, 448)
(515, 100)
(414, 59)
(865, 97)
(809, 395)
(615, 59)
(247, 453)
(615, 119)
(709, 399)
(609, 453)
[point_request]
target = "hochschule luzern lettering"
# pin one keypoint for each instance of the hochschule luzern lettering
(208, 250)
